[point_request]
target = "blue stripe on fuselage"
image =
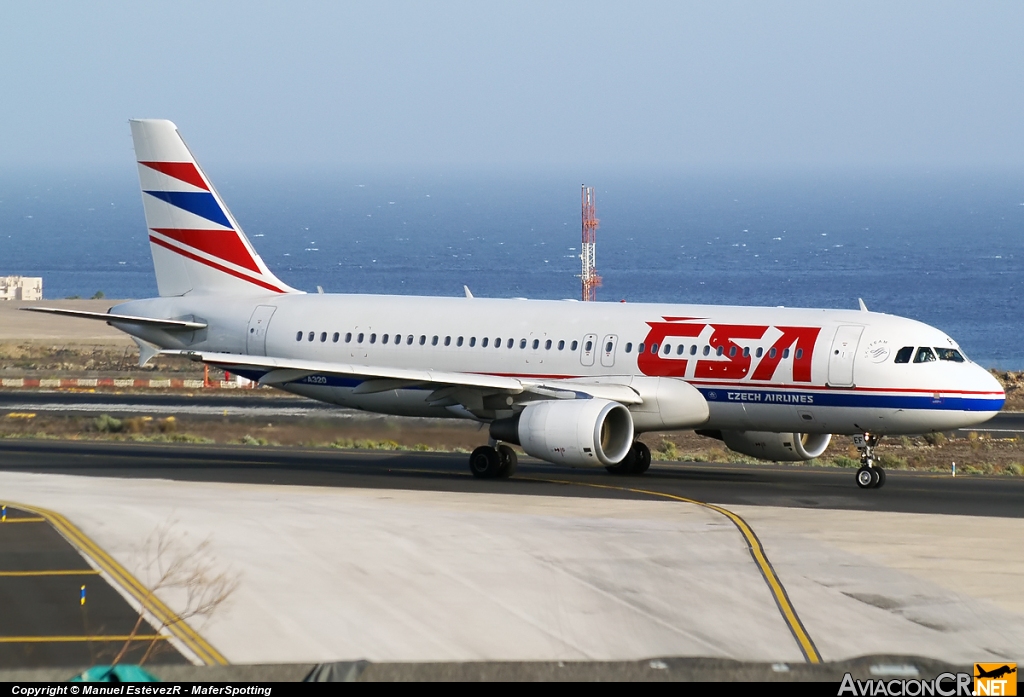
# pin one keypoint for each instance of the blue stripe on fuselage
(846, 399)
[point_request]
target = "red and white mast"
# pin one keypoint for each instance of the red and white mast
(588, 276)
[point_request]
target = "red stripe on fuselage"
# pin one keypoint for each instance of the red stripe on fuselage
(183, 171)
(223, 244)
(212, 265)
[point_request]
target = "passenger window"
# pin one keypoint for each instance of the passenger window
(510, 343)
(588, 346)
(458, 342)
(447, 341)
(693, 350)
(573, 345)
(904, 354)
(384, 339)
(719, 350)
(423, 339)
(948, 354)
(771, 352)
(654, 349)
(608, 347)
(472, 341)
(785, 353)
(629, 347)
(681, 350)
(483, 342)
(547, 345)
(561, 345)
(497, 342)
(746, 352)
(373, 338)
(732, 352)
(924, 355)
(799, 354)
(759, 352)
(522, 343)
(323, 337)
(359, 339)
(335, 337)
(433, 342)
(298, 337)
(311, 335)
(348, 337)
(409, 340)
(536, 344)
(640, 347)
(707, 350)
(666, 349)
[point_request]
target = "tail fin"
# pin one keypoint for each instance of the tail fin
(197, 246)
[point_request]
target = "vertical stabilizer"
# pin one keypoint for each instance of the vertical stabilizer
(197, 245)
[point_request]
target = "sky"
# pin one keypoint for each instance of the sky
(518, 85)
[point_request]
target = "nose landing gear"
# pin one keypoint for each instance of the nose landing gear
(870, 475)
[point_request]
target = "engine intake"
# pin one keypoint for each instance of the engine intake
(782, 447)
(594, 432)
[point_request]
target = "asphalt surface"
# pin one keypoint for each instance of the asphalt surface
(262, 403)
(764, 485)
(43, 621)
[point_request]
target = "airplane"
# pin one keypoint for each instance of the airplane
(571, 383)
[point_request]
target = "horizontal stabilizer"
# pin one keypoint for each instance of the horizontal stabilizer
(168, 324)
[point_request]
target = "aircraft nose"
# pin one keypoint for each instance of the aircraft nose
(985, 382)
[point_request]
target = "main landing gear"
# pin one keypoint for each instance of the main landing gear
(870, 475)
(493, 462)
(637, 460)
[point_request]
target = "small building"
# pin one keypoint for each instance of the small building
(21, 288)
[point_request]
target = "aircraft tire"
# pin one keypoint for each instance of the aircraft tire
(643, 458)
(866, 479)
(485, 462)
(509, 462)
(880, 476)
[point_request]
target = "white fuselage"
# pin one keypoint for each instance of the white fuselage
(760, 369)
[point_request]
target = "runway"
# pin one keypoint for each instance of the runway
(398, 556)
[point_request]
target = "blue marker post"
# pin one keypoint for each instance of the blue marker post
(3, 514)
(954, 469)
(82, 599)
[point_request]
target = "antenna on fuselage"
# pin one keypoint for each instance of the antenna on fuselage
(863, 307)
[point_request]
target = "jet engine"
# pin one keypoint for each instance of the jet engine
(595, 432)
(764, 445)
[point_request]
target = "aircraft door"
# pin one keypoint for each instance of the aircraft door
(608, 347)
(840, 359)
(256, 337)
(588, 349)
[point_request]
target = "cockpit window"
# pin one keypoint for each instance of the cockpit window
(904, 354)
(948, 354)
(924, 355)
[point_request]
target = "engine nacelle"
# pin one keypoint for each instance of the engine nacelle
(595, 432)
(785, 447)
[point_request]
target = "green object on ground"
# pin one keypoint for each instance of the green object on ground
(118, 673)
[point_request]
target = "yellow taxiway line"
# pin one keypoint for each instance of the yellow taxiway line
(49, 572)
(778, 591)
(152, 604)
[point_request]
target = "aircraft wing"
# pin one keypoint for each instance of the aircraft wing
(449, 388)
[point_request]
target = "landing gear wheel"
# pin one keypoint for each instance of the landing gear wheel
(880, 474)
(866, 478)
(509, 462)
(485, 462)
(643, 458)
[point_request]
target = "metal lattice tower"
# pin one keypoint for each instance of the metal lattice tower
(588, 276)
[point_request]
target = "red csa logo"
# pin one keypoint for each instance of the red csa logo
(732, 363)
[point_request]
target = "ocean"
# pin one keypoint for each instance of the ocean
(938, 247)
